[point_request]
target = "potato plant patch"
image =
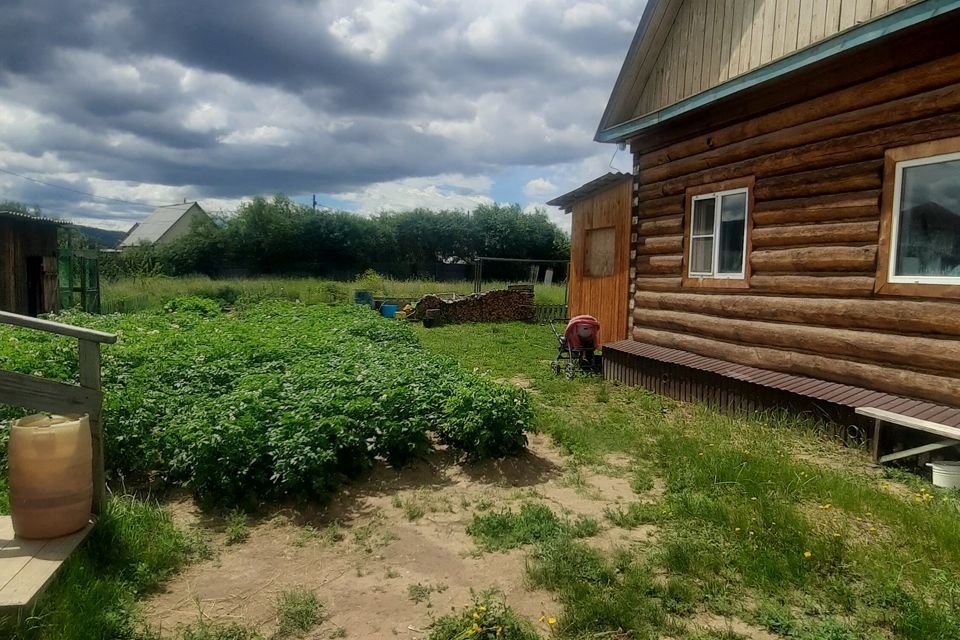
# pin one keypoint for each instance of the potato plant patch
(274, 399)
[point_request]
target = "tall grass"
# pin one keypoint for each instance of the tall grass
(149, 292)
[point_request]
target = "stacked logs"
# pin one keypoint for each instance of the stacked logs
(500, 305)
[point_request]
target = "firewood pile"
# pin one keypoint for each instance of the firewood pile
(515, 303)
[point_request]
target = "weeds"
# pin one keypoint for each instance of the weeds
(236, 530)
(298, 611)
(533, 523)
(418, 593)
(486, 618)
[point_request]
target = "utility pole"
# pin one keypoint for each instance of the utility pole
(314, 202)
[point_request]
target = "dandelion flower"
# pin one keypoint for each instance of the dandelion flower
(807, 554)
(551, 621)
(737, 530)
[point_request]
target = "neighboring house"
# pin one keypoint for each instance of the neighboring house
(28, 264)
(795, 223)
(165, 225)
(600, 251)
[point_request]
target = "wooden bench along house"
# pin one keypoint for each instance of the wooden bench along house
(795, 220)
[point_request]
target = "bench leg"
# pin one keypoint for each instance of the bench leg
(875, 444)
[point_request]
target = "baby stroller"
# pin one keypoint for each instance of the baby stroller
(577, 346)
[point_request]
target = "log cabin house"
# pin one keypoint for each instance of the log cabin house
(795, 217)
(28, 264)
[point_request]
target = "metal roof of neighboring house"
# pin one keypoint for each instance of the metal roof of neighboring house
(155, 225)
(593, 187)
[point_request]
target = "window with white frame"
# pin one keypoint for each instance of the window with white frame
(718, 235)
(925, 238)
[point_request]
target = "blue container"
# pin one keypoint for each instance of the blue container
(363, 297)
(389, 310)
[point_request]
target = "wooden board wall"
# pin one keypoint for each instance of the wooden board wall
(18, 241)
(810, 307)
(712, 41)
(605, 298)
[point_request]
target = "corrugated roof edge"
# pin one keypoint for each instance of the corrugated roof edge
(26, 217)
(602, 183)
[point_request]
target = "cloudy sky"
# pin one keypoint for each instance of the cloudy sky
(371, 104)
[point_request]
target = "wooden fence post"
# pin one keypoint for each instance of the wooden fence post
(90, 379)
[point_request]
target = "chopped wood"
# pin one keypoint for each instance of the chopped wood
(490, 306)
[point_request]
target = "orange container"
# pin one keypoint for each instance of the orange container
(51, 475)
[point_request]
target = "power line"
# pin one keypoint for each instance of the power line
(84, 193)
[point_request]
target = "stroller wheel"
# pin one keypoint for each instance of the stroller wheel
(555, 367)
(570, 370)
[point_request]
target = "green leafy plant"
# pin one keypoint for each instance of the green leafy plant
(486, 618)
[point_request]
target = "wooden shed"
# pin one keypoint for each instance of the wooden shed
(28, 264)
(795, 221)
(600, 251)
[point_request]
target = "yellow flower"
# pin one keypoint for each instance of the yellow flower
(737, 530)
(482, 608)
(542, 618)
(499, 631)
(807, 554)
(476, 616)
(873, 529)
(551, 621)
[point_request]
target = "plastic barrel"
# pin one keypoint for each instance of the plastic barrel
(389, 310)
(363, 297)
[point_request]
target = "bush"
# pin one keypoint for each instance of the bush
(274, 399)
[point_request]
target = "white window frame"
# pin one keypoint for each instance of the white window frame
(715, 260)
(895, 227)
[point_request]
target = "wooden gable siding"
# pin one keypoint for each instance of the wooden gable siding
(605, 298)
(810, 307)
(712, 41)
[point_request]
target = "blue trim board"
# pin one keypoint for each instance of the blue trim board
(904, 18)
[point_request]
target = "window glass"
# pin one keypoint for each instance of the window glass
(701, 255)
(928, 228)
(733, 220)
(703, 212)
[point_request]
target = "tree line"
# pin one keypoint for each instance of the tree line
(280, 237)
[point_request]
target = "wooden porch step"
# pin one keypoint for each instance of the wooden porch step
(28, 566)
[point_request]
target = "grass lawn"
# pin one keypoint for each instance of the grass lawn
(761, 525)
(151, 292)
(632, 516)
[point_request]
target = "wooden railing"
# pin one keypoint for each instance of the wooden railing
(38, 394)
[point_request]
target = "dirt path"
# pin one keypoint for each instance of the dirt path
(380, 538)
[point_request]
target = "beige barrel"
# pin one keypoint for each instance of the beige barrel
(51, 475)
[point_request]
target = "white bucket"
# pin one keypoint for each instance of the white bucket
(946, 474)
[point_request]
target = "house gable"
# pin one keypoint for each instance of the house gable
(684, 48)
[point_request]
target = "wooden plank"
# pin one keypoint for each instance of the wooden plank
(766, 37)
(848, 14)
(733, 60)
(746, 35)
(34, 566)
(805, 26)
(90, 379)
(726, 41)
(916, 451)
(756, 34)
(37, 394)
(911, 423)
(56, 327)
(780, 27)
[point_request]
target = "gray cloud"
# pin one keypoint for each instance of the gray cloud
(225, 100)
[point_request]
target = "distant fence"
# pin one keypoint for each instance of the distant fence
(546, 312)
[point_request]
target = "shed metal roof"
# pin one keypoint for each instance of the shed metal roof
(155, 225)
(567, 200)
(29, 218)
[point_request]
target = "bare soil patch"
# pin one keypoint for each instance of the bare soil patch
(377, 538)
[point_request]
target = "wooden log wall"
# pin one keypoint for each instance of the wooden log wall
(810, 306)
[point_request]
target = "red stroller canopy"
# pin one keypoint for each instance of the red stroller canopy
(581, 330)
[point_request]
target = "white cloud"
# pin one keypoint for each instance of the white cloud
(539, 187)
(446, 191)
